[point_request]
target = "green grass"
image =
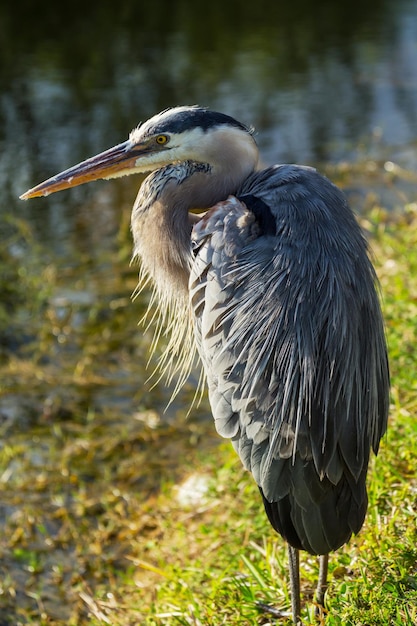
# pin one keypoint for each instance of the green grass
(97, 528)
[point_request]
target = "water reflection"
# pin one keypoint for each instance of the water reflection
(316, 79)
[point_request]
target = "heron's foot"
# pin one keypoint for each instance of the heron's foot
(277, 613)
(271, 610)
(320, 614)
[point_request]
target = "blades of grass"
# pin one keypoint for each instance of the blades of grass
(256, 573)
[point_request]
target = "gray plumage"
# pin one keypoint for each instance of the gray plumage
(291, 336)
(273, 286)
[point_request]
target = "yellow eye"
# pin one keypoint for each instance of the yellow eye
(161, 139)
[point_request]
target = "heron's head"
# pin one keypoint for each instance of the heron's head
(175, 135)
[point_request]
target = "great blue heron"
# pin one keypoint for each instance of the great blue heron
(273, 286)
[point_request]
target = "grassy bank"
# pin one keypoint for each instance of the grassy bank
(126, 519)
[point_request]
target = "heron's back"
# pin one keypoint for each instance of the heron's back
(289, 329)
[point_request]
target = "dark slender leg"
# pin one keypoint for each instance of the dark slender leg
(294, 569)
(322, 581)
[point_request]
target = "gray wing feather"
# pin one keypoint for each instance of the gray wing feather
(289, 329)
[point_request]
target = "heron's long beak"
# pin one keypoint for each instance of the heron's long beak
(120, 160)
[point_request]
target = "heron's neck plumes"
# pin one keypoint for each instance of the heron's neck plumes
(161, 231)
(161, 228)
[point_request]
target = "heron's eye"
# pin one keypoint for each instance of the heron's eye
(161, 139)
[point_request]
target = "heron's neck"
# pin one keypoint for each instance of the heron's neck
(162, 245)
(161, 225)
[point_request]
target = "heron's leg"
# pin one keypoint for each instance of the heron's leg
(322, 581)
(294, 569)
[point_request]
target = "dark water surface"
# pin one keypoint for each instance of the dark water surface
(322, 82)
